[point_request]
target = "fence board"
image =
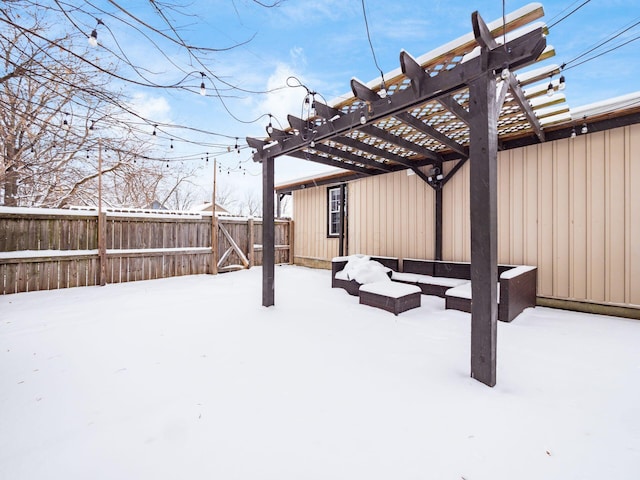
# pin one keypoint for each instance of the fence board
(44, 230)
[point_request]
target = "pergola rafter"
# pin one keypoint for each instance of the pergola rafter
(450, 106)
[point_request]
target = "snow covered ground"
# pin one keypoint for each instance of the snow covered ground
(191, 378)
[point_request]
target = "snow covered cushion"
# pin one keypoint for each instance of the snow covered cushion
(370, 272)
(390, 289)
(342, 275)
(355, 262)
(406, 277)
(464, 291)
(445, 281)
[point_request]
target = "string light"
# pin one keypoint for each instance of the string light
(93, 38)
(154, 130)
(171, 141)
(363, 118)
(270, 126)
(382, 93)
(65, 123)
(573, 132)
(504, 74)
(561, 85)
(585, 129)
(550, 89)
(203, 88)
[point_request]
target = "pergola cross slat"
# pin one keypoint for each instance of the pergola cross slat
(446, 108)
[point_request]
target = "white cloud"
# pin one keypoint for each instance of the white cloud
(283, 101)
(153, 107)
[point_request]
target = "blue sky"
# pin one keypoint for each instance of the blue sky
(324, 44)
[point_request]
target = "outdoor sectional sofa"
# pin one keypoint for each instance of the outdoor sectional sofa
(452, 281)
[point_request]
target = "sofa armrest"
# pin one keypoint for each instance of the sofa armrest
(517, 291)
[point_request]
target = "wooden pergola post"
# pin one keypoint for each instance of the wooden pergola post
(268, 233)
(483, 148)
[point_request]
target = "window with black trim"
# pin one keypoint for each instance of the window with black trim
(333, 211)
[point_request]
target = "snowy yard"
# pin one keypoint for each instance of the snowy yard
(191, 378)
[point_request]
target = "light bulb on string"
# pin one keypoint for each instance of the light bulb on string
(573, 132)
(270, 126)
(504, 74)
(171, 143)
(203, 88)
(93, 38)
(550, 89)
(584, 129)
(562, 84)
(154, 130)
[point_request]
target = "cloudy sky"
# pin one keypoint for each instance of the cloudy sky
(324, 44)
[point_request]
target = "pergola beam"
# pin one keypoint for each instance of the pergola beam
(518, 52)
(350, 157)
(427, 129)
(331, 162)
(454, 107)
(364, 93)
(525, 106)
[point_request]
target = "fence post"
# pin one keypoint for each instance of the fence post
(291, 243)
(251, 241)
(214, 223)
(214, 242)
(102, 247)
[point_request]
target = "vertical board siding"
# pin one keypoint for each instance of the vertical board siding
(38, 238)
(571, 207)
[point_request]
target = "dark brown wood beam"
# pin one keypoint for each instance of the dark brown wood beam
(503, 89)
(525, 106)
(400, 142)
(483, 156)
(454, 107)
(268, 233)
(327, 112)
(330, 162)
(427, 129)
(350, 157)
(454, 170)
(364, 93)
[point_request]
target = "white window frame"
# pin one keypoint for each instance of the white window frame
(333, 209)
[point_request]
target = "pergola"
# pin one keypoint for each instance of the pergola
(453, 105)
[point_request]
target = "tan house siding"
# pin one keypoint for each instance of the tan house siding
(391, 215)
(310, 233)
(571, 207)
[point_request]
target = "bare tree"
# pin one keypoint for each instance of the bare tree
(60, 116)
(251, 204)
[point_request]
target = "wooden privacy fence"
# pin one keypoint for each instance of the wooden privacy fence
(44, 249)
